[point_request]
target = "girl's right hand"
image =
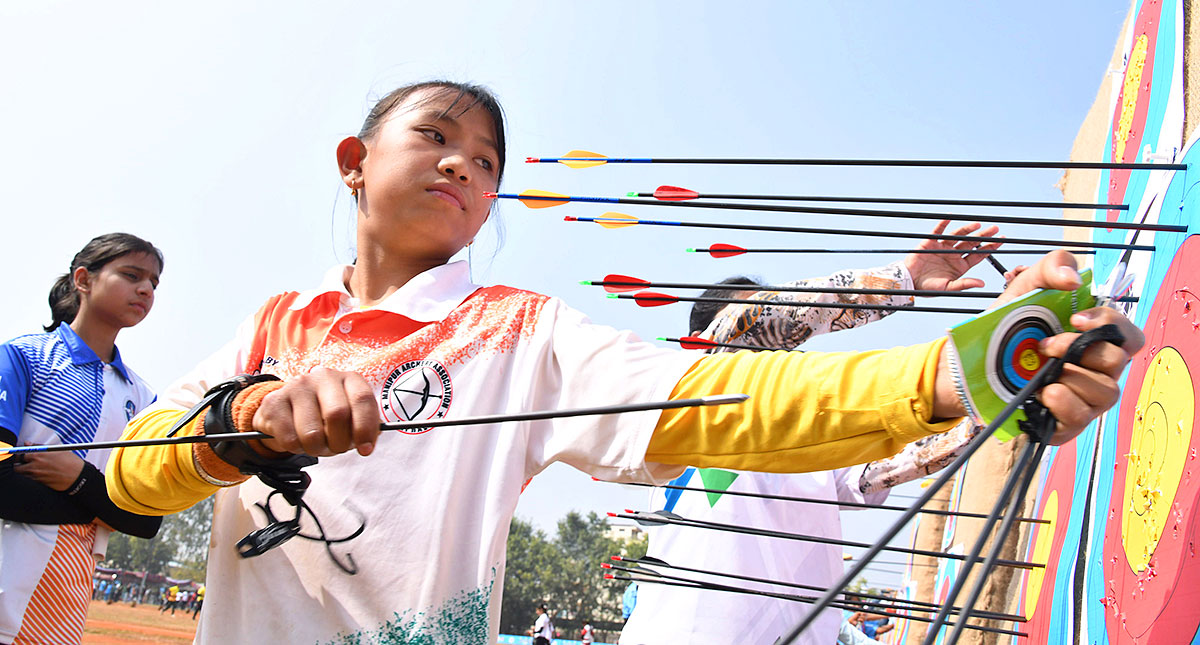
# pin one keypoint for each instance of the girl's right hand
(322, 413)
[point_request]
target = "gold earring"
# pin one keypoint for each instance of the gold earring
(354, 192)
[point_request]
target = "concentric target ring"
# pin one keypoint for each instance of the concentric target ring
(1012, 354)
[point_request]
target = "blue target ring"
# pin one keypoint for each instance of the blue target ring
(1014, 345)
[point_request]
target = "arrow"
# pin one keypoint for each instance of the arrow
(687, 583)
(621, 220)
(730, 250)
(586, 159)
(534, 198)
(675, 193)
(696, 342)
(655, 299)
(720, 399)
(542, 199)
(616, 283)
(892, 603)
(830, 502)
(665, 517)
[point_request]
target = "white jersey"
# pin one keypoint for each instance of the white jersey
(54, 389)
(678, 615)
(436, 503)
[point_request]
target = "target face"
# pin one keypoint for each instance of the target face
(1151, 569)
(1044, 587)
(1139, 97)
(1013, 351)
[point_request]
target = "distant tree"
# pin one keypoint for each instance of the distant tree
(581, 590)
(137, 554)
(564, 573)
(180, 549)
(534, 565)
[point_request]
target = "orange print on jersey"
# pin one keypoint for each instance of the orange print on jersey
(374, 342)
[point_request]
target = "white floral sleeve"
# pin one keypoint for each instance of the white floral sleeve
(784, 327)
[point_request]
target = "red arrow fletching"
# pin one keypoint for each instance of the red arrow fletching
(725, 250)
(654, 299)
(696, 342)
(616, 277)
(674, 194)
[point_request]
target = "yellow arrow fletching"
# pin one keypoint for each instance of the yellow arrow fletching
(625, 220)
(542, 203)
(600, 159)
(5, 455)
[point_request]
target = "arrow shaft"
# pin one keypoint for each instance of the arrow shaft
(931, 293)
(675, 581)
(903, 163)
(652, 518)
(1030, 469)
(713, 343)
(994, 219)
(829, 502)
(896, 234)
(895, 603)
(903, 200)
(819, 305)
(403, 425)
(921, 251)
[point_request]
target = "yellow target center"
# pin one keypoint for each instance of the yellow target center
(1030, 360)
(1162, 431)
(1129, 96)
(1041, 553)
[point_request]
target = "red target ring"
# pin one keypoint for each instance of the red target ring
(1133, 101)
(1151, 564)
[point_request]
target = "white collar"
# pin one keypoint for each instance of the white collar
(429, 296)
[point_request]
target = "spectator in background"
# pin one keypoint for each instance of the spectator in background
(69, 386)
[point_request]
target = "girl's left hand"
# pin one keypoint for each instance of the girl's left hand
(56, 470)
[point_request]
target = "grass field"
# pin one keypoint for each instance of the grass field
(120, 624)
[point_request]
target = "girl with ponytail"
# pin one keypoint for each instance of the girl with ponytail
(69, 385)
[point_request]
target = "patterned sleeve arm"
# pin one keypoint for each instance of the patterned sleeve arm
(784, 327)
(918, 459)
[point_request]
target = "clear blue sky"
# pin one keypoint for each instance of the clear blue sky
(210, 129)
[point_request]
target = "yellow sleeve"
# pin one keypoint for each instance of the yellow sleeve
(160, 480)
(807, 411)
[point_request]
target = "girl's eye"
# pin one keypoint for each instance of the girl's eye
(486, 163)
(435, 135)
(131, 276)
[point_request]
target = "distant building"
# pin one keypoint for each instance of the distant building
(624, 532)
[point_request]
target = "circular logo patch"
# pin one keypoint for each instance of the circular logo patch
(416, 391)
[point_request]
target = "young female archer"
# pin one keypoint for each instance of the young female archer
(69, 385)
(403, 335)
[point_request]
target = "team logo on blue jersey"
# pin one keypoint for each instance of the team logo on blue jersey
(416, 391)
(130, 410)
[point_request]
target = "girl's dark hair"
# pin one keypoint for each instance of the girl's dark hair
(704, 312)
(64, 299)
(465, 95)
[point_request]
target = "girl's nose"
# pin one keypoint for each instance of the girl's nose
(454, 168)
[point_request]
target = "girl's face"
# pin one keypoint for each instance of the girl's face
(423, 177)
(122, 292)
